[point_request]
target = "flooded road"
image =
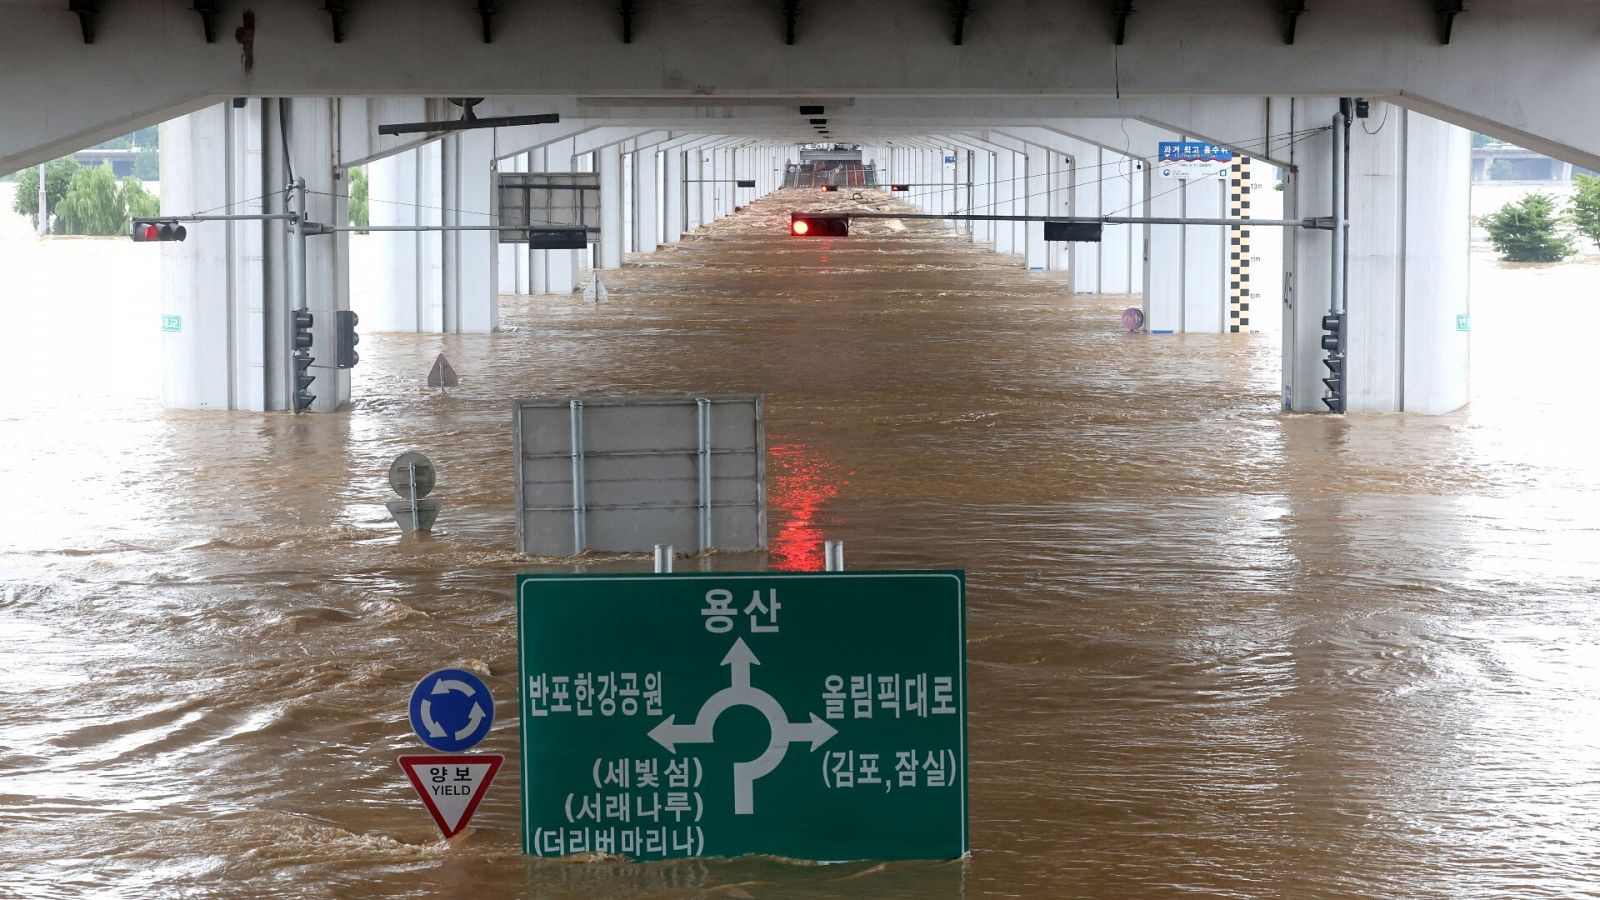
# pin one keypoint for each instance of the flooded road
(1214, 650)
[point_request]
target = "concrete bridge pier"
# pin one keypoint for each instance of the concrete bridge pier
(227, 285)
(405, 189)
(1408, 263)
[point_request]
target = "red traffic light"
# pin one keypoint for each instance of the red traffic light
(899, 187)
(819, 224)
(146, 230)
(829, 188)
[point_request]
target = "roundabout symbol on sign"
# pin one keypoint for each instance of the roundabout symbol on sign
(741, 693)
(451, 710)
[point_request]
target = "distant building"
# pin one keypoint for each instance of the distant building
(1493, 161)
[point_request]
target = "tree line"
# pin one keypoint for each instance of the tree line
(1531, 229)
(83, 199)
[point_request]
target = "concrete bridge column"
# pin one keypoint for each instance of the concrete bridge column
(314, 150)
(611, 200)
(1036, 202)
(645, 185)
(1005, 186)
(538, 260)
(212, 285)
(1408, 264)
(405, 190)
(560, 266)
(673, 173)
(471, 258)
(1185, 268)
(513, 265)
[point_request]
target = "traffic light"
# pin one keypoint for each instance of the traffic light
(346, 339)
(302, 380)
(819, 224)
(829, 188)
(302, 360)
(302, 329)
(899, 187)
(1333, 343)
(143, 230)
(744, 182)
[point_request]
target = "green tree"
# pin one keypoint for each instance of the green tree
(1586, 207)
(57, 179)
(358, 198)
(1526, 231)
(136, 201)
(147, 164)
(92, 204)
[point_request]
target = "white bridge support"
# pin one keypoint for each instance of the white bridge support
(228, 281)
(1408, 265)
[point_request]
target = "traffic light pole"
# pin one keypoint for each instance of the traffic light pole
(297, 289)
(1336, 299)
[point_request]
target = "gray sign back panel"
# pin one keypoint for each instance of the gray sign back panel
(545, 200)
(626, 473)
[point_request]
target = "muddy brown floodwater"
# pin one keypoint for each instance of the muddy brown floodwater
(1215, 650)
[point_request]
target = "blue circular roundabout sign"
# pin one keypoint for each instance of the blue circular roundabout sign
(451, 710)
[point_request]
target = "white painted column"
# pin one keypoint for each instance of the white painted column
(471, 258)
(644, 200)
(1004, 191)
(405, 189)
(1205, 257)
(611, 199)
(672, 195)
(1088, 170)
(313, 147)
(1408, 265)
(538, 260)
(1057, 254)
(1036, 202)
(212, 284)
(705, 190)
(1163, 258)
(513, 261)
(561, 266)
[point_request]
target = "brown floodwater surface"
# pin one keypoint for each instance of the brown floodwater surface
(1215, 650)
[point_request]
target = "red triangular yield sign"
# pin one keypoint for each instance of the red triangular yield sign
(451, 786)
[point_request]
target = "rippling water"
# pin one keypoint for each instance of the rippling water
(1214, 650)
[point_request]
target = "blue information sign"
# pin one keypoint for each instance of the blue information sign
(1192, 159)
(451, 710)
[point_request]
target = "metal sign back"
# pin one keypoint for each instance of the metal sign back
(624, 474)
(554, 203)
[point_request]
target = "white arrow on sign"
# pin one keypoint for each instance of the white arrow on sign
(446, 685)
(473, 719)
(740, 693)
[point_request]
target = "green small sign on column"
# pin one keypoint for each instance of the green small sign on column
(1463, 322)
(815, 716)
(172, 323)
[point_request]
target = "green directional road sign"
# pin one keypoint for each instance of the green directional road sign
(810, 715)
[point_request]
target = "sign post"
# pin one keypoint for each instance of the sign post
(809, 715)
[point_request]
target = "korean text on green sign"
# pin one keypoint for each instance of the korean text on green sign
(809, 715)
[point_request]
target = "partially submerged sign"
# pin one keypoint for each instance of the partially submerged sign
(451, 710)
(442, 374)
(809, 715)
(451, 787)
